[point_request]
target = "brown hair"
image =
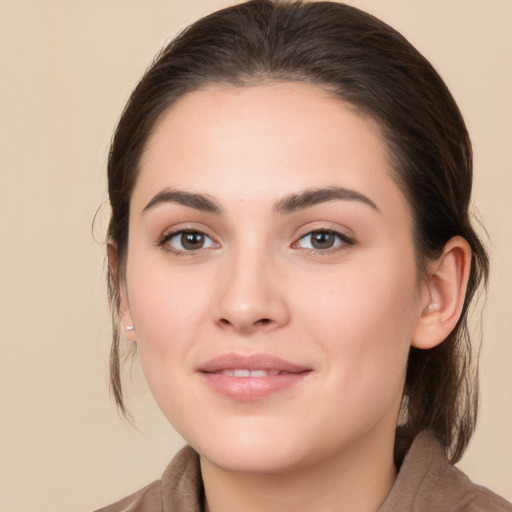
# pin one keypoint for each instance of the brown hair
(365, 63)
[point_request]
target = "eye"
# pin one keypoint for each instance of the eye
(323, 240)
(187, 240)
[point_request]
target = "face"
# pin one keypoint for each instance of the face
(271, 277)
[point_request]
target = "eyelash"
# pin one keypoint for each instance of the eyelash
(342, 241)
(167, 237)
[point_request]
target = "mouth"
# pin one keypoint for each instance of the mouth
(239, 373)
(254, 377)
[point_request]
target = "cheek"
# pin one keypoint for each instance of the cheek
(378, 295)
(165, 301)
(168, 311)
(364, 319)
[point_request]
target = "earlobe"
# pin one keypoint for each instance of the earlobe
(123, 307)
(128, 332)
(445, 294)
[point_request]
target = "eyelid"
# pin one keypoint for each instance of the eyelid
(345, 239)
(174, 232)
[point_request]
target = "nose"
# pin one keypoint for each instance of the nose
(252, 297)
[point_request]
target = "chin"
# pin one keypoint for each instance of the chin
(251, 450)
(256, 459)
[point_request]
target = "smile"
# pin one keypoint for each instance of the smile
(248, 373)
(249, 378)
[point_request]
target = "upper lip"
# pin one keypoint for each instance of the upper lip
(250, 362)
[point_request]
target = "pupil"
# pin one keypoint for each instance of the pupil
(322, 240)
(192, 240)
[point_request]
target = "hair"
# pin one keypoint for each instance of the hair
(371, 67)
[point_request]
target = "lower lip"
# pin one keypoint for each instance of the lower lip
(253, 388)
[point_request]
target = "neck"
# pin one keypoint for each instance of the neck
(359, 479)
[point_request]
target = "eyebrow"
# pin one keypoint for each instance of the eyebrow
(193, 200)
(309, 198)
(288, 204)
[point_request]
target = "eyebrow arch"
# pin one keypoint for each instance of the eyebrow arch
(191, 199)
(313, 197)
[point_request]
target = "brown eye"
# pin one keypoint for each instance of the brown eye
(188, 240)
(191, 240)
(323, 240)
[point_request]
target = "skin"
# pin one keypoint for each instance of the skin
(348, 313)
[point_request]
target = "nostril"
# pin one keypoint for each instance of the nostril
(250, 325)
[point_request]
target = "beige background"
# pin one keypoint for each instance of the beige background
(66, 69)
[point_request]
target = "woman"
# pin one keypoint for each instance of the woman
(291, 254)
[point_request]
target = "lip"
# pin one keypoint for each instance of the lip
(273, 375)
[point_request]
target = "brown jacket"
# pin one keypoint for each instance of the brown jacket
(426, 482)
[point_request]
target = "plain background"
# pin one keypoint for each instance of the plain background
(66, 69)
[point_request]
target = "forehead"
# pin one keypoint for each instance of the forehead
(262, 141)
(262, 111)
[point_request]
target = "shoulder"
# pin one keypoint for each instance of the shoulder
(467, 496)
(180, 488)
(427, 481)
(147, 499)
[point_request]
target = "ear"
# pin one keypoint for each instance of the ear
(123, 307)
(445, 294)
